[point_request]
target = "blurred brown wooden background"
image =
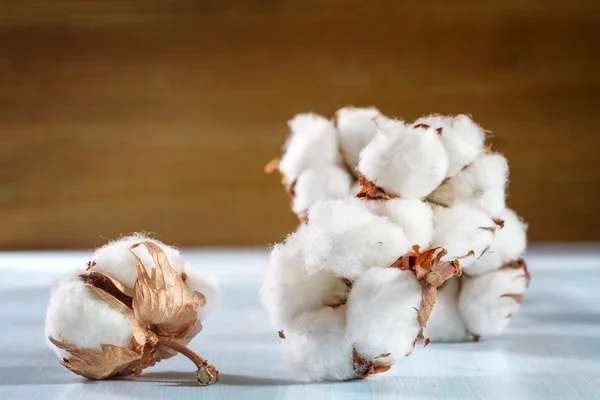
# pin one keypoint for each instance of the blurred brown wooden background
(118, 116)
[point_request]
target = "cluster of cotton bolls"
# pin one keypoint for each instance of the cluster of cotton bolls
(375, 193)
(89, 316)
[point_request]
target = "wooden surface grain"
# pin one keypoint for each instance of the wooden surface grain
(550, 351)
(150, 115)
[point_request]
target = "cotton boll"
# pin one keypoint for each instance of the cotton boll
(289, 289)
(312, 185)
(445, 323)
(404, 161)
(509, 243)
(345, 238)
(382, 315)
(482, 184)
(463, 139)
(356, 127)
(461, 229)
(316, 346)
(206, 284)
(312, 144)
(115, 258)
(487, 301)
(412, 215)
(77, 316)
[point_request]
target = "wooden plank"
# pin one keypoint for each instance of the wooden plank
(159, 116)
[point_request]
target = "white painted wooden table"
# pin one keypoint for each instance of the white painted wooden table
(551, 351)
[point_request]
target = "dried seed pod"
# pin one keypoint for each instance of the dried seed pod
(136, 303)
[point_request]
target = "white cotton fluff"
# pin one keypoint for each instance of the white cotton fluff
(482, 184)
(459, 229)
(382, 316)
(312, 144)
(445, 323)
(508, 245)
(412, 215)
(404, 161)
(312, 185)
(115, 258)
(463, 139)
(76, 316)
(316, 346)
(356, 188)
(345, 238)
(356, 127)
(483, 301)
(289, 290)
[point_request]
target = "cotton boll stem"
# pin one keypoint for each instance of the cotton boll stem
(207, 374)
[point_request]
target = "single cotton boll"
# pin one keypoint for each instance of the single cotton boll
(312, 143)
(460, 229)
(116, 260)
(445, 323)
(76, 316)
(404, 161)
(316, 346)
(344, 237)
(382, 316)
(412, 215)
(482, 184)
(289, 289)
(487, 301)
(356, 127)
(198, 281)
(509, 244)
(463, 139)
(317, 184)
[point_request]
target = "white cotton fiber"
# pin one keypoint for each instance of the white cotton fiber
(205, 283)
(115, 259)
(289, 290)
(463, 139)
(312, 185)
(485, 301)
(316, 347)
(460, 229)
(356, 127)
(445, 323)
(76, 316)
(382, 316)
(344, 237)
(312, 144)
(404, 161)
(412, 215)
(482, 184)
(508, 245)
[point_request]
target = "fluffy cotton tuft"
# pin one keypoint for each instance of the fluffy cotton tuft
(412, 215)
(405, 161)
(487, 301)
(77, 316)
(445, 323)
(482, 184)
(356, 127)
(463, 139)
(381, 313)
(312, 144)
(115, 258)
(508, 245)
(329, 182)
(289, 289)
(461, 229)
(316, 346)
(344, 237)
